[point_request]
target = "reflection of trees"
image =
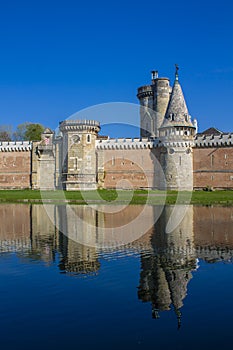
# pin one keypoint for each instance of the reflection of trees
(166, 273)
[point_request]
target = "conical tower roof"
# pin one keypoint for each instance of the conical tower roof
(177, 112)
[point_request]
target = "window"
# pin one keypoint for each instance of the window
(212, 159)
(88, 138)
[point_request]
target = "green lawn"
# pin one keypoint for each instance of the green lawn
(111, 196)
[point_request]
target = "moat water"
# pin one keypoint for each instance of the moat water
(82, 277)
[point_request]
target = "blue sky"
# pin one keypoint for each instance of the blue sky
(58, 57)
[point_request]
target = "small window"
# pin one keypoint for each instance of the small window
(76, 163)
(212, 159)
(88, 138)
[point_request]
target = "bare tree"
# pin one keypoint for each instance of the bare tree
(5, 132)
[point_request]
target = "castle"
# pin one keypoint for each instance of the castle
(170, 153)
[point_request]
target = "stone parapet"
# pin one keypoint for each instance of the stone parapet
(15, 146)
(145, 91)
(176, 144)
(79, 125)
(126, 143)
(222, 140)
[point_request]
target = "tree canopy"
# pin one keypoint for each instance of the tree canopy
(28, 131)
(33, 132)
(4, 136)
(5, 132)
(25, 131)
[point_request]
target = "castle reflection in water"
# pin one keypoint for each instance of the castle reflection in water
(81, 235)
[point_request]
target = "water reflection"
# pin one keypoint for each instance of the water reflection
(166, 273)
(167, 260)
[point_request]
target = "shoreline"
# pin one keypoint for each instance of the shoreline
(153, 197)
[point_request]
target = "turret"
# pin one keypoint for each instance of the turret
(153, 99)
(147, 115)
(177, 139)
(78, 154)
(161, 95)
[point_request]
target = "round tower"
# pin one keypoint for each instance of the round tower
(147, 117)
(154, 100)
(78, 154)
(161, 95)
(177, 140)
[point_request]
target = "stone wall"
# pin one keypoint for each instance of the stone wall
(43, 166)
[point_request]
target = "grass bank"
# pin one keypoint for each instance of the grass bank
(123, 196)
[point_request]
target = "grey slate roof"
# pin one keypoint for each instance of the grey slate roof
(177, 104)
(211, 131)
(177, 112)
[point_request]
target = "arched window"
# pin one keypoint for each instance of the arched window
(88, 138)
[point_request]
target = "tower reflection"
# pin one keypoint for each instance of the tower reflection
(76, 237)
(165, 273)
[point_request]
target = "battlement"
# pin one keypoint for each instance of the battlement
(126, 143)
(178, 144)
(15, 146)
(222, 140)
(80, 125)
(144, 91)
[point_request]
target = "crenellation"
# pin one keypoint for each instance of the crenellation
(15, 146)
(129, 143)
(214, 140)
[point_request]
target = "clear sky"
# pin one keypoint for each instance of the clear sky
(58, 57)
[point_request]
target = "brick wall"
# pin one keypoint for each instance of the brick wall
(15, 169)
(135, 168)
(213, 167)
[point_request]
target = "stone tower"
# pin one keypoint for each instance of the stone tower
(177, 139)
(154, 100)
(43, 162)
(78, 154)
